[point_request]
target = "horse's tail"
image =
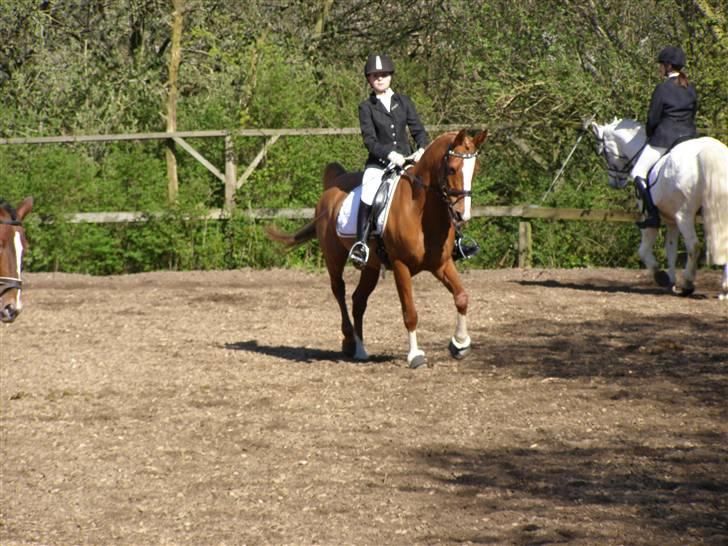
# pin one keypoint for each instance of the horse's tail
(306, 233)
(713, 165)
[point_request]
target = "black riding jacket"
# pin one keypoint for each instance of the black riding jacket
(672, 113)
(384, 132)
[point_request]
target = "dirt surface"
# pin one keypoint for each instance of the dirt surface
(215, 408)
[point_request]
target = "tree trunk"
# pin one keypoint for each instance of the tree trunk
(174, 62)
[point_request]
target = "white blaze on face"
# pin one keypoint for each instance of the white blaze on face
(18, 265)
(468, 170)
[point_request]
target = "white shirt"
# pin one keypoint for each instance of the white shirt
(386, 98)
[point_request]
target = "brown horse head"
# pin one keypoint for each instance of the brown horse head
(12, 246)
(449, 166)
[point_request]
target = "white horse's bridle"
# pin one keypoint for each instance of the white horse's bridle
(620, 174)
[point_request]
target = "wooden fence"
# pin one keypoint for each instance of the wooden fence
(229, 176)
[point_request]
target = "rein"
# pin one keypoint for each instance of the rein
(10, 283)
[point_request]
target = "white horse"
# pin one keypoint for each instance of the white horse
(692, 175)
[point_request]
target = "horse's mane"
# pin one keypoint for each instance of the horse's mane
(432, 153)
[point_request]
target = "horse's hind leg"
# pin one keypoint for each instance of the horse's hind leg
(687, 228)
(367, 283)
(349, 344)
(724, 285)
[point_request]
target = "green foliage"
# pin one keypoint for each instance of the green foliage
(531, 71)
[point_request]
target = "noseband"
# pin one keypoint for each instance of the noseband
(10, 283)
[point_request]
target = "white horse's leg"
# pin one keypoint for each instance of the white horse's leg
(687, 228)
(649, 236)
(724, 285)
(671, 241)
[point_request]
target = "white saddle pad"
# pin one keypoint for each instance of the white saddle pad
(346, 221)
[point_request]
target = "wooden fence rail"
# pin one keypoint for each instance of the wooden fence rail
(524, 212)
(228, 175)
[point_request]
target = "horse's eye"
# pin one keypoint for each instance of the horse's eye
(451, 171)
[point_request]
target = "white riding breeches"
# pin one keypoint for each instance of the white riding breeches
(370, 183)
(649, 156)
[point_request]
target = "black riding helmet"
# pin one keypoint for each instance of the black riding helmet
(673, 55)
(378, 63)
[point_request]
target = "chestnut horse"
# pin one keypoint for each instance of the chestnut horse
(430, 200)
(12, 246)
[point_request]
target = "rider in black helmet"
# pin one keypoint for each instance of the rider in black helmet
(671, 117)
(384, 118)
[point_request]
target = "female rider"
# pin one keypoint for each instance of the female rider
(671, 119)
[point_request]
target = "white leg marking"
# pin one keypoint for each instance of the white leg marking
(414, 352)
(360, 353)
(461, 339)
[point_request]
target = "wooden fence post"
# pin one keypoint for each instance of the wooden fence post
(231, 175)
(524, 244)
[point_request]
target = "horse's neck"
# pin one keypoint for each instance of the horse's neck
(631, 139)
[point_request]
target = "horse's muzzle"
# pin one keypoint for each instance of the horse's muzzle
(9, 313)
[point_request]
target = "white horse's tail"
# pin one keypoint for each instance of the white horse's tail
(713, 165)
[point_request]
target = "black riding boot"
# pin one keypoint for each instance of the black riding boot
(462, 250)
(359, 253)
(652, 220)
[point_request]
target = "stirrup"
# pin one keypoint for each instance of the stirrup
(359, 254)
(465, 250)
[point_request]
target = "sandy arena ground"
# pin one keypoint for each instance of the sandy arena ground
(215, 408)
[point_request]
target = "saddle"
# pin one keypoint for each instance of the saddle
(346, 220)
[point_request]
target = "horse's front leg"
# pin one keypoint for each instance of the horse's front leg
(724, 285)
(649, 236)
(403, 280)
(692, 245)
(367, 283)
(460, 341)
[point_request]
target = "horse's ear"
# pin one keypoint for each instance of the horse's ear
(460, 137)
(25, 207)
(597, 129)
(480, 138)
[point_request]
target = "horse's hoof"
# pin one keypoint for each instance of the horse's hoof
(663, 279)
(418, 362)
(348, 347)
(686, 290)
(723, 297)
(458, 352)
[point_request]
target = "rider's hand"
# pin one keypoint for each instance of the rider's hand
(417, 155)
(396, 158)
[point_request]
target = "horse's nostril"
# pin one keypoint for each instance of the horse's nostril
(8, 313)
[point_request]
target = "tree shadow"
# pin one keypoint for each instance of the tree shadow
(676, 350)
(671, 491)
(301, 354)
(609, 287)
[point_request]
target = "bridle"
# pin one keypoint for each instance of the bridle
(447, 192)
(10, 283)
(618, 173)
